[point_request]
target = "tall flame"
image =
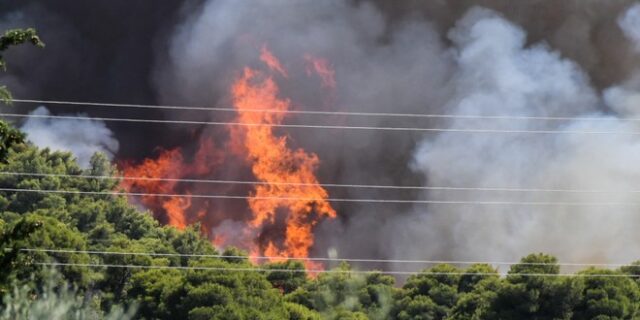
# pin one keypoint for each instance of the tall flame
(284, 208)
(291, 188)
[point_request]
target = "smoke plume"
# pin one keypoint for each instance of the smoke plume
(630, 24)
(521, 81)
(82, 138)
(525, 59)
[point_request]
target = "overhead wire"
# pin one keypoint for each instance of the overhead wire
(340, 271)
(319, 259)
(303, 184)
(297, 110)
(355, 200)
(312, 126)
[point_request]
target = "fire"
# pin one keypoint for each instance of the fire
(272, 62)
(175, 208)
(170, 166)
(288, 173)
(282, 211)
(322, 68)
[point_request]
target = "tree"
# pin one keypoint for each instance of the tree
(286, 281)
(55, 301)
(11, 38)
(342, 294)
(534, 291)
(607, 295)
(430, 294)
(477, 293)
(8, 135)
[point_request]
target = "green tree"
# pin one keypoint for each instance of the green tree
(286, 281)
(607, 295)
(534, 291)
(300, 312)
(11, 38)
(342, 294)
(55, 300)
(8, 135)
(478, 290)
(430, 294)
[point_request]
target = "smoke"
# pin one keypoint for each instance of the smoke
(98, 51)
(484, 65)
(83, 138)
(630, 24)
(572, 58)
(525, 81)
(202, 65)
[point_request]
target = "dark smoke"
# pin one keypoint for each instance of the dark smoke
(96, 51)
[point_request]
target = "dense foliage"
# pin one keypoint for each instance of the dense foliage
(12, 38)
(83, 219)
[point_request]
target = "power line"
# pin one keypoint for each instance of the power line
(311, 112)
(326, 185)
(219, 256)
(396, 201)
(391, 272)
(310, 126)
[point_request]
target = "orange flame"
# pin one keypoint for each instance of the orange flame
(272, 62)
(275, 163)
(170, 166)
(175, 208)
(284, 210)
(322, 68)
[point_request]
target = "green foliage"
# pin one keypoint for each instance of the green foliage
(478, 303)
(536, 295)
(345, 295)
(56, 302)
(608, 297)
(300, 312)
(12, 38)
(287, 281)
(9, 136)
(430, 294)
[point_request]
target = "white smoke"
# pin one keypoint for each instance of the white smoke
(83, 138)
(485, 66)
(629, 22)
(498, 75)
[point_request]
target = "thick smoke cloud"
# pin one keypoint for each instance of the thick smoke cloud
(374, 72)
(517, 58)
(526, 82)
(95, 51)
(630, 24)
(83, 138)
(484, 65)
